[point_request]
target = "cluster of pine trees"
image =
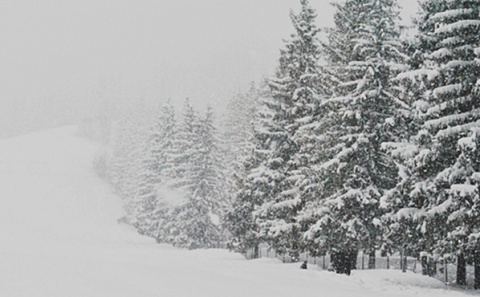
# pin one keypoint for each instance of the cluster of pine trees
(171, 176)
(363, 140)
(369, 140)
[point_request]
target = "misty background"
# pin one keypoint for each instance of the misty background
(64, 60)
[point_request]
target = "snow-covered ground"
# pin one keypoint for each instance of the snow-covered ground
(60, 237)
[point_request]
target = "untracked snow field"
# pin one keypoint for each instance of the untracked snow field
(60, 237)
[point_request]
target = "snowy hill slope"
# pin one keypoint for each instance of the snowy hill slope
(60, 237)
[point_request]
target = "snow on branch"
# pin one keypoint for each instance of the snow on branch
(447, 90)
(441, 208)
(415, 74)
(452, 119)
(460, 25)
(463, 190)
(452, 13)
(451, 131)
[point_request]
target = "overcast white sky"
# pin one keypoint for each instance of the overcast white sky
(60, 58)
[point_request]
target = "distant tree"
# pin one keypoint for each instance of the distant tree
(201, 216)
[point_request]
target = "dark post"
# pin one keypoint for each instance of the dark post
(423, 258)
(348, 262)
(432, 267)
(476, 259)
(256, 252)
(461, 269)
(353, 255)
(445, 269)
(401, 259)
(404, 260)
(371, 259)
(363, 260)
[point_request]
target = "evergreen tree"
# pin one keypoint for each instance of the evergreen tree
(201, 216)
(253, 187)
(238, 135)
(128, 161)
(163, 154)
(365, 53)
(295, 90)
(442, 185)
(449, 35)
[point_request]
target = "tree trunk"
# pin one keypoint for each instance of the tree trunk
(255, 252)
(371, 259)
(461, 269)
(342, 262)
(445, 269)
(476, 260)
(348, 263)
(424, 259)
(432, 267)
(353, 259)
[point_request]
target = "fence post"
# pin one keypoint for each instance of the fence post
(423, 258)
(401, 259)
(445, 268)
(476, 263)
(363, 260)
(371, 259)
(461, 269)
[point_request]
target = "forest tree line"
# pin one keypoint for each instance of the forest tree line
(366, 138)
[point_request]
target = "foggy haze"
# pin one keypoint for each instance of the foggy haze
(63, 60)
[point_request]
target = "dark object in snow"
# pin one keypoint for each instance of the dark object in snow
(304, 265)
(476, 263)
(342, 262)
(461, 269)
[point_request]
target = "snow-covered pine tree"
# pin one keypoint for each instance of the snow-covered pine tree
(156, 170)
(366, 54)
(164, 140)
(162, 150)
(125, 164)
(295, 90)
(402, 209)
(201, 216)
(145, 196)
(254, 186)
(448, 32)
(237, 134)
(184, 150)
(177, 182)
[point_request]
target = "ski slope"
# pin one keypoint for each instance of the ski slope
(60, 237)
